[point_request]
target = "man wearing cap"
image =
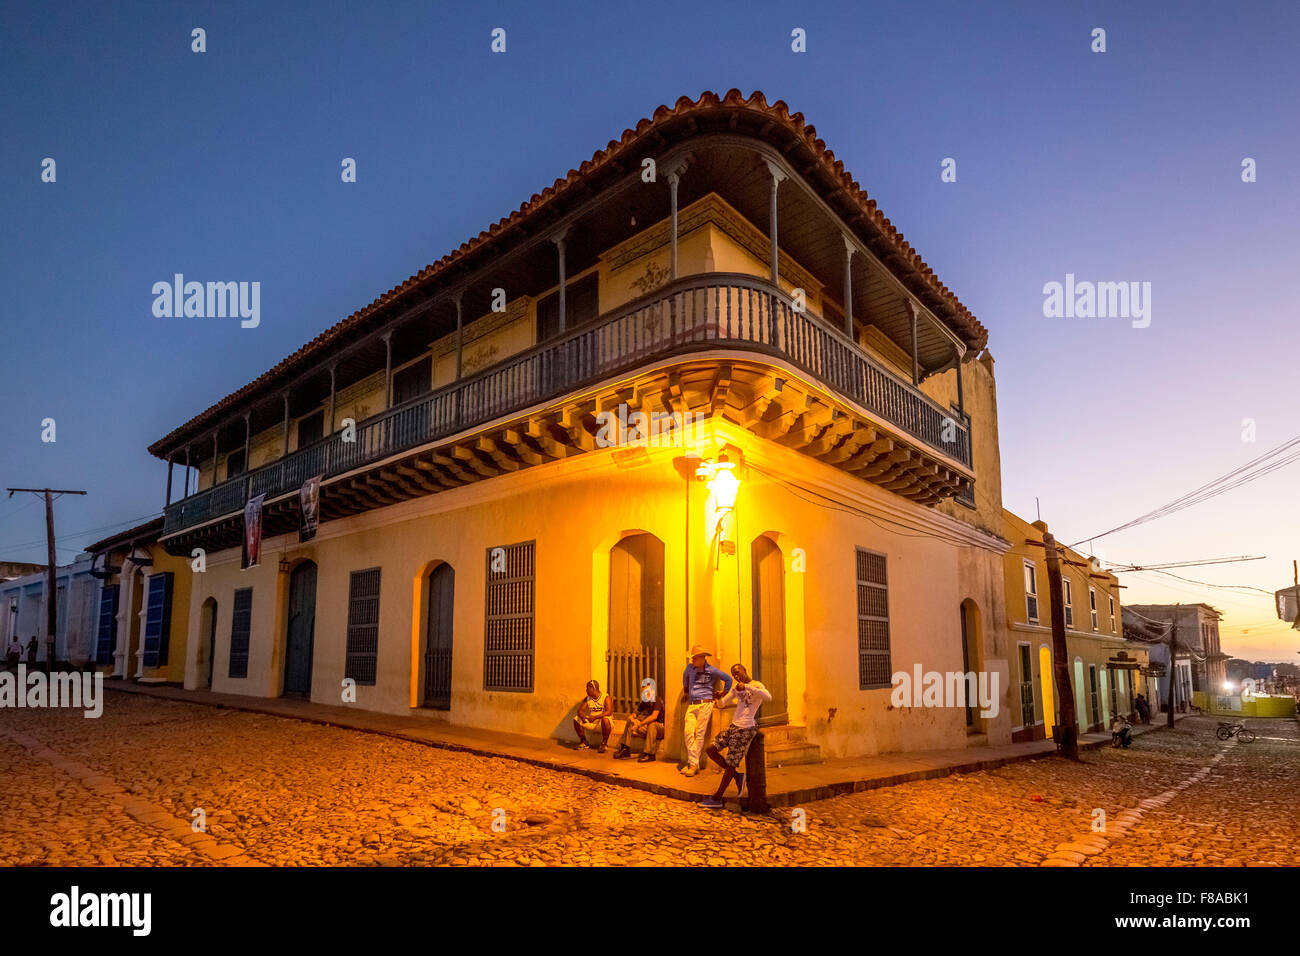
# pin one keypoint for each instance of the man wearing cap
(698, 690)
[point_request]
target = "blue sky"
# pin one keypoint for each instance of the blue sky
(1122, 166)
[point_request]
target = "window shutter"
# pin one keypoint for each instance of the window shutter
(107, 624)
(157, 621)
(874, 670)
(508, 640)
(240, 623)
(363, 626)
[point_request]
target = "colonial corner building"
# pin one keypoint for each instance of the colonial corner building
(831, 516)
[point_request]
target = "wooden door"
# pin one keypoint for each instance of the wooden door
(769, 629)
(438, 637)
(301, 630)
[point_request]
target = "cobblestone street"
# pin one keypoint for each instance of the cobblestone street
(122, 790)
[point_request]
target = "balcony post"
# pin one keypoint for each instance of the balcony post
(187, 471)
(169, 477)
(388, 370)
(214, 460)
(674, 178)
(848, 287)
(559, 245)
(961, 401)
(778, 177)
(248, 441)
(460, 335)
(916, 362)
(286, 423)
(329, 427)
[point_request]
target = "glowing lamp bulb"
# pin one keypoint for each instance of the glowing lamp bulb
(724, 484)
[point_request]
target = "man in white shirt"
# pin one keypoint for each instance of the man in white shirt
(747, 695)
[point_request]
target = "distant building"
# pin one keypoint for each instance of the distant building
(23, 610)
(138, 634)
(18, 569)
(1200, 666)
(1106, 671)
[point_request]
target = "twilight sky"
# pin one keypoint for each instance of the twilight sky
(1115, 166)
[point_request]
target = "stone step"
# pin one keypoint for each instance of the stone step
(784, 734)
(792, 755)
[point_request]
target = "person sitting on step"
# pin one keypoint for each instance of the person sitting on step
(594, 714)
(647, 722)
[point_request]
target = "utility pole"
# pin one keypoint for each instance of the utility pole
(1173, 651)
(1068, 729)
(51, 576)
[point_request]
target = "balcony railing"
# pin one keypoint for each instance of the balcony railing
(717, 310)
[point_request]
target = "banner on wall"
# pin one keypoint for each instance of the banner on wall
(309, 502)
(252, 550)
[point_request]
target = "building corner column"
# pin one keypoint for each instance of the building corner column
(122, 645)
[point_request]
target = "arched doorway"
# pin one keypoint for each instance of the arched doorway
(1045, 681)
(300, 631)
(438, 623)
(768, 661)
(208, 639)
(636, 618)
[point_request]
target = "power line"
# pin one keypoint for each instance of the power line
(1207, 584)
(1121, 566)
(874, 519)
(1256, 468)
(87, 531)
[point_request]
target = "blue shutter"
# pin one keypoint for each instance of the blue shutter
(157, 621)
(107, 624)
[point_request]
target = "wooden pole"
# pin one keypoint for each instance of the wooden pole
(1173, 650)
(51, 573)
(1068, 730)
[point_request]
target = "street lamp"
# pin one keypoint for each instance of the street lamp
(720, 478)
(724, 484)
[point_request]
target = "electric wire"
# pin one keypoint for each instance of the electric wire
(1243, 474)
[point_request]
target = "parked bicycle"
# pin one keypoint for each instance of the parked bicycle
(1226, 731)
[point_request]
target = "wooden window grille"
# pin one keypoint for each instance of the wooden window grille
(363, 626)
(508, 625)
(240, 624)
(874, 667)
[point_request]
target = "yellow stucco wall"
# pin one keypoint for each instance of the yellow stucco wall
(1086, 646)
(576, 510)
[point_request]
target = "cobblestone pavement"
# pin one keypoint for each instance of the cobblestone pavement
(122, 790)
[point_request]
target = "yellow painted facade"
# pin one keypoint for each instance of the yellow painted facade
(1094, 637)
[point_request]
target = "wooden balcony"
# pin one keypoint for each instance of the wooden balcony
(715, 312)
